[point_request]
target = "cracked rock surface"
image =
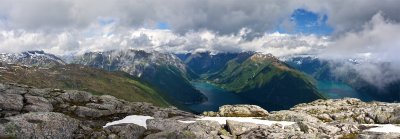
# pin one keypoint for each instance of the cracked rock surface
(28, 112)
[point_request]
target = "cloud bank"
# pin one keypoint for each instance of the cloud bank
(365, 30)
(373, 52)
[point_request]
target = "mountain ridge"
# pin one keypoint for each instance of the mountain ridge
(262, 78)
(166, 72)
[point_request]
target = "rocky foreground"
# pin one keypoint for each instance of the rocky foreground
(27, 112)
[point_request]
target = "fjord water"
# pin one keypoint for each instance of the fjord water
(216, 98)
(336, 90)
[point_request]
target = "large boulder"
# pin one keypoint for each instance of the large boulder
(37, 104)
(125, 131)
(276, 131)
(76, 97)
(86, 112)
(165, 124)
(286, 115)
(238, 128)
(11, 102)
(170, 128)
(182, 134)
(205, 129)
(38, 125)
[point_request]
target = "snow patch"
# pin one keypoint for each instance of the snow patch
(134, 119)
(255, 120)
(141, 121)
(187, 122)
(385, 128)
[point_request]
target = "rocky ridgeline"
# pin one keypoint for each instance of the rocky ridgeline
(333, 118)
(238, 111)
(27, 112)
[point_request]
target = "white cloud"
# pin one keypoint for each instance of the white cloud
(376, 47)
(109, 37)
(225, 17)
(365, 29)
(351, 15)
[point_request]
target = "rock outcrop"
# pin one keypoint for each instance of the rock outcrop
(347, 110)
(334, 118)
(238, 111)
(125, 131)
(38, 125)
(28, 112)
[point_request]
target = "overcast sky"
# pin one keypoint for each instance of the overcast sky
(282, 27)
(297, 27)
(368, 30)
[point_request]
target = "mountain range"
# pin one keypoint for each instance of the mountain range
(167, 79)
(323, 70)
(261, 78)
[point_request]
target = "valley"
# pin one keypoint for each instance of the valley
(194, 82)
(199, 69)
(216, 97)
(337, 90)
(157, 95)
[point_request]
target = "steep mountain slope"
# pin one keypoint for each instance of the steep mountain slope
(166, 72)
(206, 63)
(261, 78)
(32, 58)
(267, 81)
(99, 82)
(325, 70)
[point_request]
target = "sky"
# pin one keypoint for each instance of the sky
(65, 27)
(334, 29)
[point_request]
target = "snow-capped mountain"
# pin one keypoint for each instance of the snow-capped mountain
(31, 58)
(164, 71)
(134, 62)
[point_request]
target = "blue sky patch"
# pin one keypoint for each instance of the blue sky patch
(310, 23)
(307, 22)
(162, 25)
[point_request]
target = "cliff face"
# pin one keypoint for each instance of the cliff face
(28, 112)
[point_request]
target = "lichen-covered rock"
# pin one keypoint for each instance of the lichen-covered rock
(90, 112)
(25, 113)
(395, 119)
(165, 124)
(238, 111)
(125, 131)
(74, 96)
(293, 116)
(86, 112)
(11, 102)
(38, 125)
(349, 110)
(16, 89)
(277, 132)
(170, 128)
(37, 104)
(205, 129)
(183, 134)
(238, 128)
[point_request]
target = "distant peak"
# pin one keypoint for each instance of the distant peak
(261, 56)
